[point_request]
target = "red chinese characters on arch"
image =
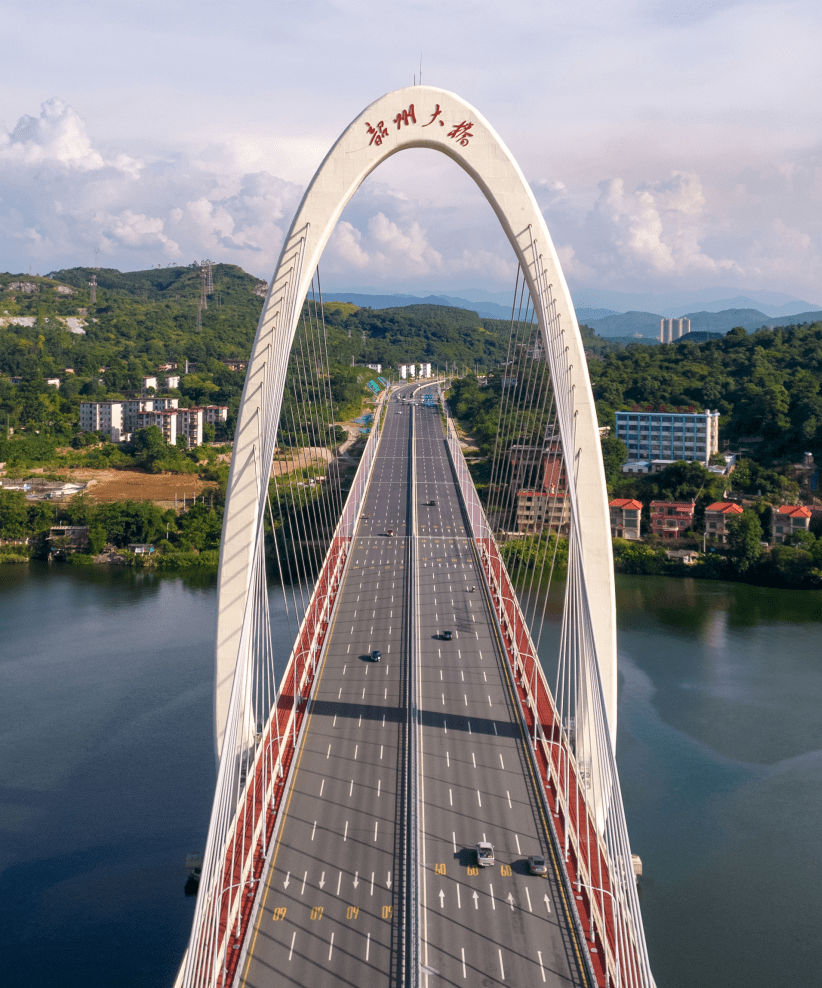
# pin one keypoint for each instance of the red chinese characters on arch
(462, 132)
(437, 112)
(405, 117)
(377, 132)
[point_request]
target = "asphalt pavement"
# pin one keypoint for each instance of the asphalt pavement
(333, 901)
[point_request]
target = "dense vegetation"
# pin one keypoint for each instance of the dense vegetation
(766, 384)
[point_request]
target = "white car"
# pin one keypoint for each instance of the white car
(485, 854)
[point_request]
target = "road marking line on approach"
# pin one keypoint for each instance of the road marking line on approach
(331, 948)
(345, 835)
(528, 897)
(542, 969)
(293, 938)
(322, 786)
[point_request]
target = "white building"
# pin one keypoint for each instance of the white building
(172, 381)
(149, 382)
(407, 371)
(133, 406)
(669, 435)
(215, 413)
(375, 367)
(190, 425)
(425, 370)
(165, 420)
(103, 416)
(673, 329)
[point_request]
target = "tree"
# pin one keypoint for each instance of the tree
(614, 454)
(744, 540)
(149, 446)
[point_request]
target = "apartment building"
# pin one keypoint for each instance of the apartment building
(165, 420)
(103, 416)
(667, 435)
(190, 425)
(787, 519)
(626, 516)
(215, 413)
(133, 406)
(671, 330)
(407, 371)
(538, 510)
(671, 519)
(716, 519)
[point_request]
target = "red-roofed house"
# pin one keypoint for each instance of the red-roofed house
(671, 519)
(625, 518)
(716, 517)
(787, 519)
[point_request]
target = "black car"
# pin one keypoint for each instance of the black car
(376, 655)
(447, 636)
(432, 504)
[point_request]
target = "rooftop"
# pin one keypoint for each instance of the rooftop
(795, 511)
(725, 507)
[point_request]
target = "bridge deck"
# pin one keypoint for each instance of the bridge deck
(332, 906)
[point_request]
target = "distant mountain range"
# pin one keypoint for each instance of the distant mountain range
(604, 322)
(646, 324)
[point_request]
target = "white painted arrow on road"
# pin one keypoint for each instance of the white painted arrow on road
(511, 901)
(476, 900)
(442, 898)
(547, 903)
(322, 880)
(356, 879)
(388, 881)
(285, 883)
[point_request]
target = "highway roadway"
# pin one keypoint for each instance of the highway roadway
(480, 926)
(332, 911)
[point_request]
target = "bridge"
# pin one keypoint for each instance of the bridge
(414, 718)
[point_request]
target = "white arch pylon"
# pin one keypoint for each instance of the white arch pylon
(414, 117)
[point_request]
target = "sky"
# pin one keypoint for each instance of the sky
(672, 144)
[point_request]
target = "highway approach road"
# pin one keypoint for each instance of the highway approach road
(334, 903)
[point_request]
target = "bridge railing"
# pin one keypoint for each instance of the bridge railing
(599, 887)
(229, 892)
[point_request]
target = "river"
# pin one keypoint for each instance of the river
(107, 773)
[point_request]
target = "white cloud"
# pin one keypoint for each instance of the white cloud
(655, 228)
(419, 224)
(62, 198)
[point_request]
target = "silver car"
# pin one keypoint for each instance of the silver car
(485, 854)
(536, 865)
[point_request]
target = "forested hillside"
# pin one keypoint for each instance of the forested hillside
(766, 384)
